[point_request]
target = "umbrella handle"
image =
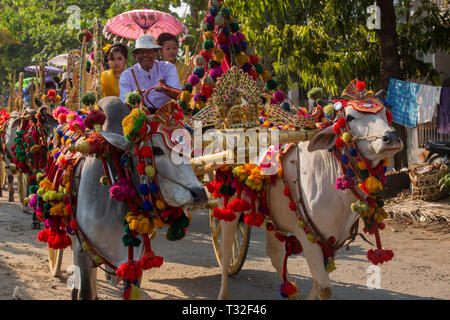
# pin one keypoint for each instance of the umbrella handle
(153, 88)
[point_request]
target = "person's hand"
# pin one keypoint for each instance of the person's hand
(160, 85)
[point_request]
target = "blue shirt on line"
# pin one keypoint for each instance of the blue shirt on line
(160, 70)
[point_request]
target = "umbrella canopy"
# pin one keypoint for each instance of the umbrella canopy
(26, 82)
(47, 69)
(6, 38)
(60, 60)
(133, 24)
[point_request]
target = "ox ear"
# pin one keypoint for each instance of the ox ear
(323, 140)
(118, 141)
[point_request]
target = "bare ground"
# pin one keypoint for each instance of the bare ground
(419, 269)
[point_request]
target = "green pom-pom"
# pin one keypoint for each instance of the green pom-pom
(127, 229)
(226, 12)
(33, 189)
(208, 27)
(234, 27)
(47, 206)
(88, 99)
(354, 206)
(188, 40)
(176, 229)
(46, 215)
(133, 98)
(188, 87)
(183, 105)
(315, 93)
(208, 45)
(130, 241)
(259, 68)
(329, 111)
(50, 146)
(85, 33)
(271, 84)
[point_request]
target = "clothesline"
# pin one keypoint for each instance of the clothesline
(413, 103)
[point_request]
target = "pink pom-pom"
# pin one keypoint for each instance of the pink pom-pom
(240, 36)
(216, 72)
(234, 39)
(279, 96)
(210, 19)
(194, 80)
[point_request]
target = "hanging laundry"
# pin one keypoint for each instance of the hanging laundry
(443, 113)
(401, 96)
(427, 99)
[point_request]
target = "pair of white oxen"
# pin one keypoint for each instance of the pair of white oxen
(316, 169)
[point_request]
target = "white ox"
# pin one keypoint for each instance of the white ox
(328, 208)
(101, 218)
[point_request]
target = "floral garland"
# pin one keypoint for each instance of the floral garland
(223, 45)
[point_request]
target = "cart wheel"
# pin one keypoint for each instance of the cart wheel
(55, 261)
(240, 243)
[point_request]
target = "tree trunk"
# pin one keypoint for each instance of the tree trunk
(390, 65)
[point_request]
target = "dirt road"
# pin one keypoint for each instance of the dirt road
(419, 270)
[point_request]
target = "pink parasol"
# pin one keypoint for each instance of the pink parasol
(133, 24)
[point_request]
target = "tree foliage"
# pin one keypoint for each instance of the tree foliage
(42, 28)
(326, 43)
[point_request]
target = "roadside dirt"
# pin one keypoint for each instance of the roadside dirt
(419, 269)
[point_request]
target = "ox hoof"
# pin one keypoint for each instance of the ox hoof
(325, 293)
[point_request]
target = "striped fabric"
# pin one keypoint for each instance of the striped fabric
(401, 96)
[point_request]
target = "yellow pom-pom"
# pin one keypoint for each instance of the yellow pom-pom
(347, 137)
(186, 96)
(311, 237)
(219, 55)
(150, 171)
(373, 185)
(200, 104)
(386, 162)
(362, 165)
(39, 175)
(241, 59)
(208, 35)
(158, 223)
(98, 259)
(280, 172)
(85, 246)
(160, 205)
(265, 76)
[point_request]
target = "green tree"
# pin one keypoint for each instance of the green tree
(42, 27)
(326, 43)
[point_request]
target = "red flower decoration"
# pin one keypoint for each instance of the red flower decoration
(360, 85)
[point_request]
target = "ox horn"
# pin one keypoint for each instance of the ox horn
(380, 94)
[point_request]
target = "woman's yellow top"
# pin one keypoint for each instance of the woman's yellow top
(182, 70)
(110, 84)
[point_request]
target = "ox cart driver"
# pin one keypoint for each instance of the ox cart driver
(148, 73)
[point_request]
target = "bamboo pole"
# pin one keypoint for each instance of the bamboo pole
(42, 74)
(12, 93)
(20, 93)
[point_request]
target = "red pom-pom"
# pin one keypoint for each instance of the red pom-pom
(360, 85)
(270, 227)
(206, 91)
(141, 168)
(222, 38)
(286, 191)
(341, 122)
(94, 117)
(224, 214)
(129, 271)
(43, 235)
(151, 261)
(51, 93)
(74, 225)
(254, 59)
(144, 152)
(336, 129)
(379, 256)
(207, 54)
(239, 205)
(288, 289)
(339, 142)
(254, 219)
(292, 206)
(254, 74)
(389, 116)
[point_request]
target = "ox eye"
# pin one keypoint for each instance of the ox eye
(157, 151)
(350, 118)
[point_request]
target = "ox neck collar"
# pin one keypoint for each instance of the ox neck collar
(366, 184)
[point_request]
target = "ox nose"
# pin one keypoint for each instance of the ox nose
(199, 196)
(391, 137)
